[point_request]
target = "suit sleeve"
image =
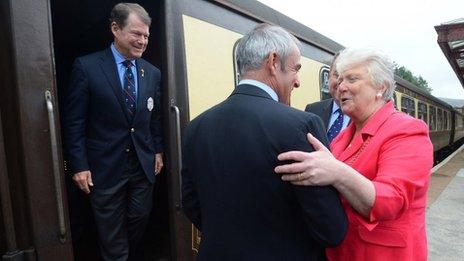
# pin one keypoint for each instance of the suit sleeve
(190, 199)
(75, 119)
(321, 206)
(156, 117)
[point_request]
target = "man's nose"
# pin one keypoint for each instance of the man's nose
(142, 40)
(340, 86)
(297, 82)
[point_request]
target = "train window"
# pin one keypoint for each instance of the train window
(394, 100)
(324, 83)
(439, 119)
(422, 111)
(407, 106)
(445, 120)
(433, 118)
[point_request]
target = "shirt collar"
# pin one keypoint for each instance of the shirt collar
(262, 86)
(118, 57)
(335, 107)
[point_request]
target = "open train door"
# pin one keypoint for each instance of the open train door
(34, 211)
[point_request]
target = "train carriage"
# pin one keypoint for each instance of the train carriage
(444, 121)
(192, 42)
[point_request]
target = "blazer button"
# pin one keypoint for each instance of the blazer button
(127, 150)
(132, 130)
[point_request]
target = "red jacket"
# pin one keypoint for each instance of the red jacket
(393, 151)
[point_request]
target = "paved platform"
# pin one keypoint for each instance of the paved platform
(445, 211)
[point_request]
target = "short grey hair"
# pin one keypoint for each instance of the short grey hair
(254, 48)
(379, 67)
(121, 12)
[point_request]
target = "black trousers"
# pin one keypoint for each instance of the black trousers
(121, 212)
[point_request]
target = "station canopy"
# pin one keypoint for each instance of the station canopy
(451, 41)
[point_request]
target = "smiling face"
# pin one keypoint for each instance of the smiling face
(287, 78)
(358, 95)
(131, 40)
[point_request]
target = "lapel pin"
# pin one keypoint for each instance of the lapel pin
(142, 72)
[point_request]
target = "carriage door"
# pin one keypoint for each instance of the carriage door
(34, 211)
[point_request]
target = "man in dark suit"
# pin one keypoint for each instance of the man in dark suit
(329, 109)
(113, 134)
(230, 190)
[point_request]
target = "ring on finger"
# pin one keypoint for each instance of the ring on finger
(300, 176)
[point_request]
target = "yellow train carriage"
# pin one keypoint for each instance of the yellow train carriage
(192, 42)
(437, 114)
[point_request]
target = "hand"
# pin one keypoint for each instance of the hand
(158, 163)
(83, 180)
(318, 168)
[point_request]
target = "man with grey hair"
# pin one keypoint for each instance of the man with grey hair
(230, 190)
(112, 131)
(329, 109)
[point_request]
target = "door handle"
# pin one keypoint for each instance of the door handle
(179, 151)
(56, 166)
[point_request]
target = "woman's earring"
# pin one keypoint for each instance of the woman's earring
(379, 95)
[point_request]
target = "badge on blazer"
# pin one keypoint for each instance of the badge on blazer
(150, 104)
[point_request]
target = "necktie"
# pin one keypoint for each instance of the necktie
(336, 126)
(129, 88)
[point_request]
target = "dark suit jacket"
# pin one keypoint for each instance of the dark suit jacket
(98, 130)
(322, 109)
(232, 194)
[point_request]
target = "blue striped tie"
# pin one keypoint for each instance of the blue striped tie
(129, 88)
(336, 126)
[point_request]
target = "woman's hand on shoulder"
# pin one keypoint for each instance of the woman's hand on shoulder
(317, 168)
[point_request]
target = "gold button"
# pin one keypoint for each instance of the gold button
(132, 130)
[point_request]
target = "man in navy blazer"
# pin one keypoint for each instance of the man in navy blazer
(230, 190)
(113, 133)
(328, 110)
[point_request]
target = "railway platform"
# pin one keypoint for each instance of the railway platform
(445, 210)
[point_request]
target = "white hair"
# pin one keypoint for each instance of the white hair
(379, 67)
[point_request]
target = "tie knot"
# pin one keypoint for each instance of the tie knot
(339, 111)
(127, 63)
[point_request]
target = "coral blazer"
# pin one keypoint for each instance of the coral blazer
(394, 151)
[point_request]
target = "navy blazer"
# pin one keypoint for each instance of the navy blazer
(98, 130)
(322, 109)
(232, 194)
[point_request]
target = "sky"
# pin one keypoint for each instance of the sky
(404, 30)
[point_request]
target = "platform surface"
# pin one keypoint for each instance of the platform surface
(445, 211)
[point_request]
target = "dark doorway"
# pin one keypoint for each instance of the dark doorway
(81, 27)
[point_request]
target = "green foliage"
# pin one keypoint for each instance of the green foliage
(406, 74)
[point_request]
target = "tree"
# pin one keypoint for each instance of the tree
(418, 81)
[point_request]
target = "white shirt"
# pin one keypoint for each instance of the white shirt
(262, 86)
(334, 116)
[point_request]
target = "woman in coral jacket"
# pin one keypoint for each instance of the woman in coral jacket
(380, 164)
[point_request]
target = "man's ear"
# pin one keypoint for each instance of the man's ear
(114, 27)
(273, 63)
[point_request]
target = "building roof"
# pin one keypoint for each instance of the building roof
(451, 41)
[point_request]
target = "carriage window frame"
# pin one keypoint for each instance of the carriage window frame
(324, 75)
(408, 105)
(445, 120)
(422, 112)
(432, 118)
(439, 119)
(234, 58)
